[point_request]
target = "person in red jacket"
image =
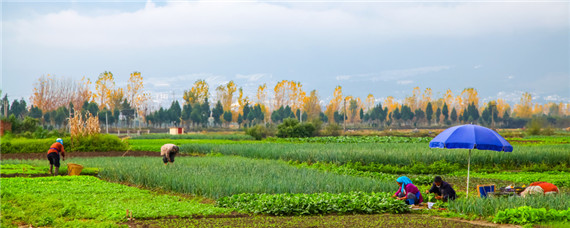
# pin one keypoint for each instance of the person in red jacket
(53, 155)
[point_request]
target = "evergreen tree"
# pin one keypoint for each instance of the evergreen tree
(36, 112)
(429, 113)
(217, 112)
(445, 112)
(228, 116)
(175, 112)
(453, 115)
(205, 111)
(437, 114)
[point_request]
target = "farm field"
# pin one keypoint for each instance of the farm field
(257, 178)
(87, 201)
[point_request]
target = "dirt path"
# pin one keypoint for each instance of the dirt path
(379, 220)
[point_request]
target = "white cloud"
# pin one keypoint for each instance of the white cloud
(201, 23)
(404, 82)
(343, 77)
(393, 75)
(253, 77)
(477, 67)
(556, 98)
(511, 77)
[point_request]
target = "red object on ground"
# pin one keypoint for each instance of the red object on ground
(547, 187)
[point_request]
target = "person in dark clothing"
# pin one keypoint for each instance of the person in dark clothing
(443, 190)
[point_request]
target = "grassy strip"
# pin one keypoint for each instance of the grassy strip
(87, 201)
(490, 206)
(26, 169)
(398, 154)
(101, 142)
(354, 139)
(314, 204)
(216, 177)
(560, 179)
(196, 136)
(347, 170)
(528, 215)
(155, 144)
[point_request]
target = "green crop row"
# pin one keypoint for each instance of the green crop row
(398, 154)
(84, 201)
(351, 171)
(313, 204)
(486, 207)
(560, 179)
(216, 177)
(354, 139)
(528, 215)
(101, 142)
(540, 140)
(155, 144)
(29, 170)
(196, 136)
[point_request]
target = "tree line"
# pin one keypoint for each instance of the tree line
(54, 99)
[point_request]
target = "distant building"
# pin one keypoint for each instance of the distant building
(176, 130)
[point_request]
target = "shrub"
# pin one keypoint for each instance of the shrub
(534, 126)
(260, 131)
(333, 129)
(292, 128)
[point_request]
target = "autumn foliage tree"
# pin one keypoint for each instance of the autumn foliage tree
(198, 93)
(524, 108)
(104, 87)
(334, 104)
(52, 92)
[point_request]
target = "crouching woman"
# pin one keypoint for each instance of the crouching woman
(408, 191)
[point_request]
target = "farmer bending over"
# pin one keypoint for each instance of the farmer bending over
(443, 190)
(540, 188)
(168, 151)
(53, 155)
(408, 191)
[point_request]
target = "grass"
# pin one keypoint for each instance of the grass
(38, 169)
(155, 144)
(84, 201)
(401, 154)
(233, 136)
(490, 206)
(560, 179)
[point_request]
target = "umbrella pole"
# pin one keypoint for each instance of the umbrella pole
(468, 166)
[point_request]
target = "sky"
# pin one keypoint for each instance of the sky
(385, 48)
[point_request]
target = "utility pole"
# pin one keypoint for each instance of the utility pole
(344, 116)
(106, 122)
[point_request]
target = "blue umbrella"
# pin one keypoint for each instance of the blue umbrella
(470, 137)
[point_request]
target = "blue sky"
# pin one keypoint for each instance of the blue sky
(384, 48)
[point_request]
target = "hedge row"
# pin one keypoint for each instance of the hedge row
(99, 142)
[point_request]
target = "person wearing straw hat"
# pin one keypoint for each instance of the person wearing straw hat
(168, 151)
(53, 156)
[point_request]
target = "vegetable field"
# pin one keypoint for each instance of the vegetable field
(233, 180)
